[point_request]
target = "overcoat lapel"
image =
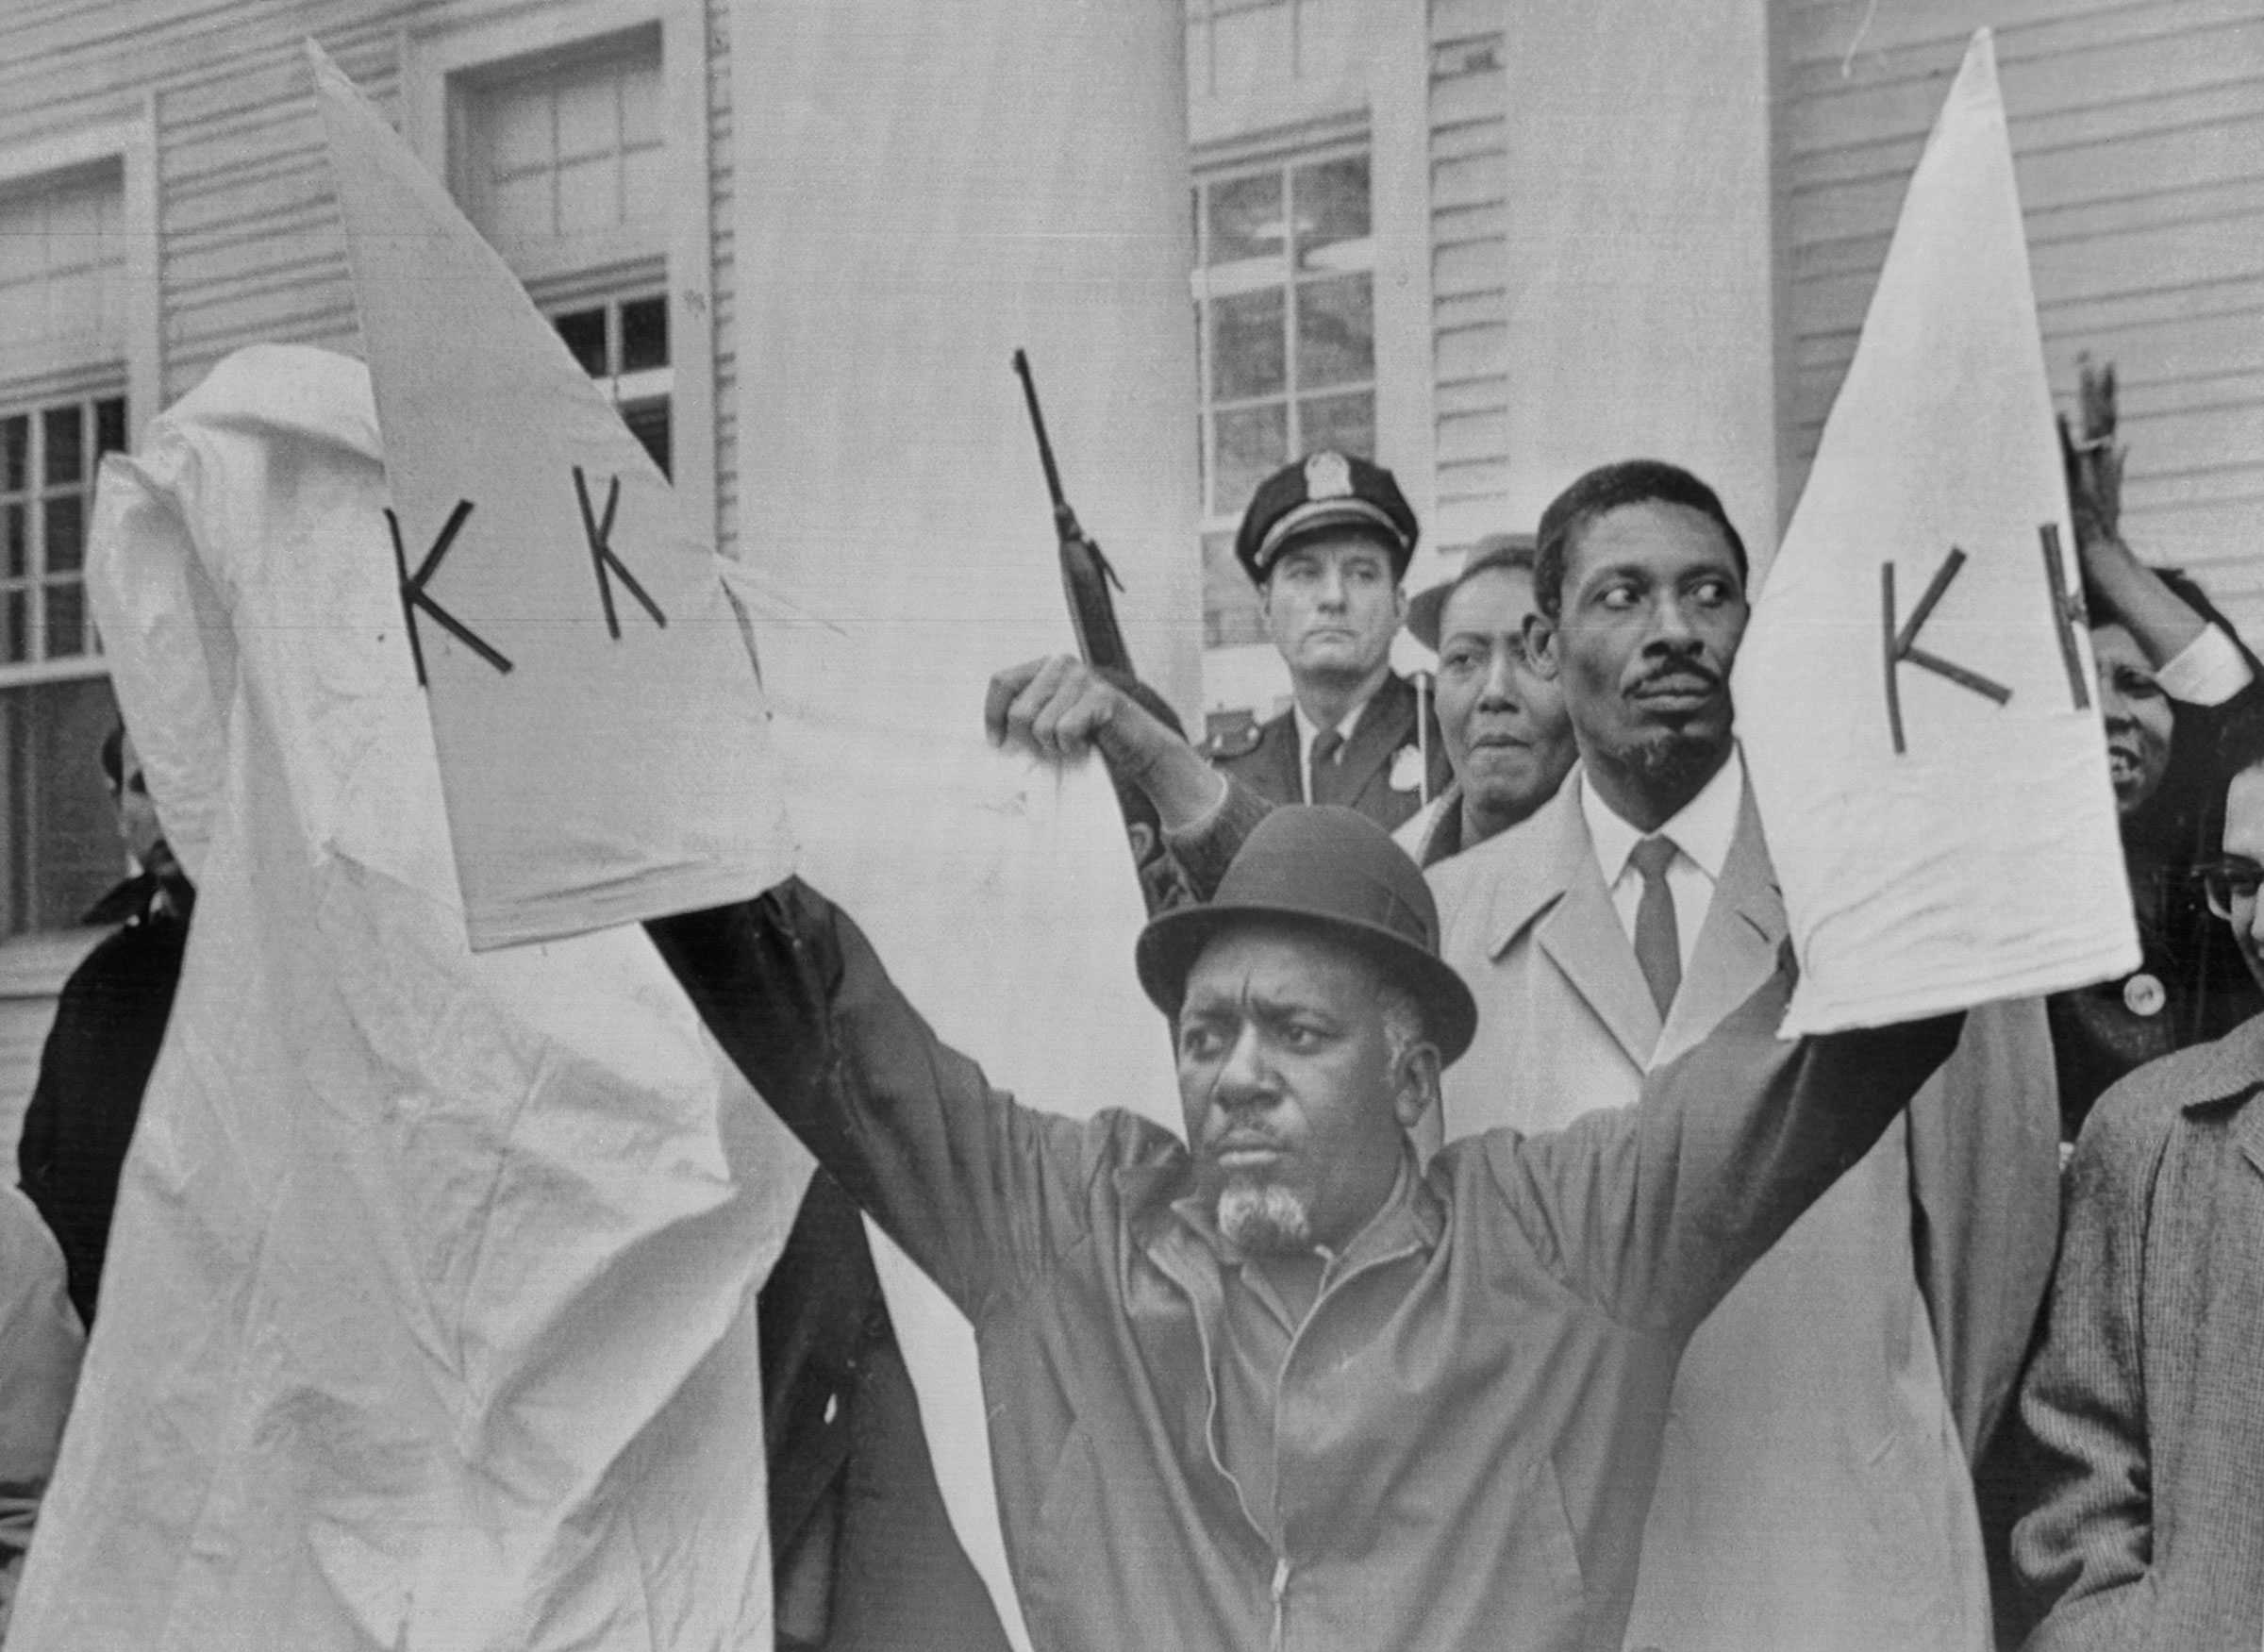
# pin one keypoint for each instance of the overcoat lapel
(1738, 945)
(1582, 936)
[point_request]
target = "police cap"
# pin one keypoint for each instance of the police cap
(1323, 491)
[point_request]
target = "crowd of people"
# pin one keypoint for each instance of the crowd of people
(1511, 1284)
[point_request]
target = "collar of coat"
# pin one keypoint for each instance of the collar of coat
(1528, 869)
(2230, 1070)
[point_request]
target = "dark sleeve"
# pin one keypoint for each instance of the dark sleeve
(2088, 1540)
(1655, 1211)
(1206, 850)
(1984, 1164)
(981, 1193)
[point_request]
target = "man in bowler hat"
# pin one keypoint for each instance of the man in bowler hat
(1277, 1384)
(1326, 541)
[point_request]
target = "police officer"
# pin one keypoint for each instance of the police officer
(1326, 541)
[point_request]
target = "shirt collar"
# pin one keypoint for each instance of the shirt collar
(1308, 731)
(1703, 830)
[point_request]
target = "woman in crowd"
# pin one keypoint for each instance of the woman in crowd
(2171, 671)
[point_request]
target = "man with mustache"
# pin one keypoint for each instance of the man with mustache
(1281, 1385)
(1326, 541)
(1814, 1493)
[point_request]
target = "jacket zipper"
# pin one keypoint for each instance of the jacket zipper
(1280, 1589)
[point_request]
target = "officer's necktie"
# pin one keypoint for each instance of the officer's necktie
(1321, 787)
(1657, 941)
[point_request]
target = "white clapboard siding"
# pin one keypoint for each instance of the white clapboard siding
(249, 247)
(723, 281)
(1470, 265)
(2137, 128)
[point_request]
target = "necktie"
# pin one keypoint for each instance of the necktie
(1321, 787)
(1658, 942)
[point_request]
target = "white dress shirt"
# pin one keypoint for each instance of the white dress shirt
(2208, 671)
(1701, 834)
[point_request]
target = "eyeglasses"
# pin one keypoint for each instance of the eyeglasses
(2232, 878)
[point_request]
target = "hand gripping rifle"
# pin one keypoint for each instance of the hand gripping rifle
(1086, 575)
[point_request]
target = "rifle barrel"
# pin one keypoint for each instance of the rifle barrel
(1045, 448)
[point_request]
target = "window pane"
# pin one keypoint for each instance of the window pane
(1332, 205)
(1245, 346)
(588, 196)
(517, 128)
(66, 620)
(1252, 443)
(584, 331)
(60, 429)
(1230, 610)
(589, 109)
(521, 208)
(17, 641)
(109, 425)
(15, 540)
(1245, 219)
(649, 423)
(1335, 332)
(1345, 422)
(66, 530)
(15, 454)
(62, 849)
(643, 334)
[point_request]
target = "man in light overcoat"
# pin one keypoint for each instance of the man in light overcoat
(1815, 1492)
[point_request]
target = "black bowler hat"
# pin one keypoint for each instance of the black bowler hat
(1338, 873)
(1324, 490)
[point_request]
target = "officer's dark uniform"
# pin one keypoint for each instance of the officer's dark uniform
(1394, 760)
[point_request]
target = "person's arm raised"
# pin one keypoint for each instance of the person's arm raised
(1061, 708)
(978, 1190)
(2124, 590)
(1656, 1211)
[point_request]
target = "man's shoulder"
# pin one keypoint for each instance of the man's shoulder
(1235, 742)
(2229, 1069)
(1396, 700)
(2134, 1121)
(1534, 851)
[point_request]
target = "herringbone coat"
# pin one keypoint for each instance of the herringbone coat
(2145, 1405)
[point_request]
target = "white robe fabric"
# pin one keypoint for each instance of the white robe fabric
(1941, 844)
(428, 1320)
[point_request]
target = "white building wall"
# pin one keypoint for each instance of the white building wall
(2137, 130)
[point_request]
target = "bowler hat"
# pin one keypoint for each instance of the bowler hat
(1427, 609)
(1322, 490)
(1338, 872)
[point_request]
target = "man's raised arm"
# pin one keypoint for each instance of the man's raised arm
(978, 1190)
(1656, 1211)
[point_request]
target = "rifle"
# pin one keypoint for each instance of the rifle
(1086, 575)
